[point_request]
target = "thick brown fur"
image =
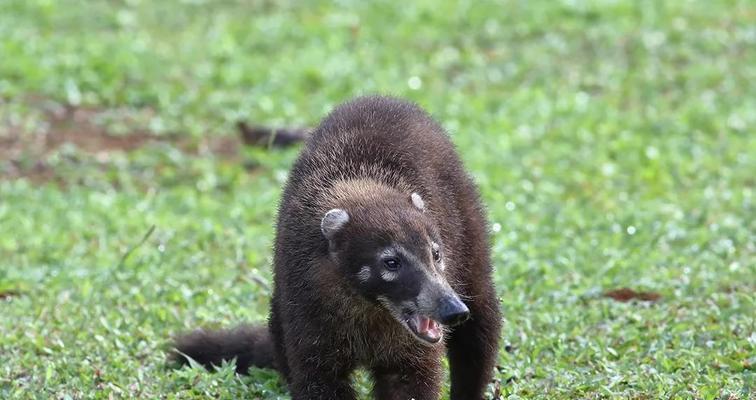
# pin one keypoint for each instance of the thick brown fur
(367, 157)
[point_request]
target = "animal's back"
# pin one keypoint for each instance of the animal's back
(373, 136)
(387, 140)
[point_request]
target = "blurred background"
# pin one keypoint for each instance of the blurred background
(613, 142)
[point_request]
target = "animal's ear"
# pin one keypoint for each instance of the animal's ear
(333, 221)
(417, 201)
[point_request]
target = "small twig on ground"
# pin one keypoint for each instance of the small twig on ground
(270, 137)
(136, 246)
(7, 294)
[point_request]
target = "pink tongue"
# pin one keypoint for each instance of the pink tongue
(429, 327)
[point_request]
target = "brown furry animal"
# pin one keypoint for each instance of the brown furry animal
(381, 262)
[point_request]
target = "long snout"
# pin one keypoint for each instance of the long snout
(452, 311)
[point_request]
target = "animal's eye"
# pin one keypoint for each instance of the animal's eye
(436, 254)
(392, 264)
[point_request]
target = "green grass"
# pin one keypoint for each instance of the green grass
(614, 143)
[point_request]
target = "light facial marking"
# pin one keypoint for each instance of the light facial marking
(389, 276)
(386, 253)
(364, 274)
(417, 201)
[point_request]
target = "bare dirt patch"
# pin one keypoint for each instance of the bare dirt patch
(25, 154)
(78, 127)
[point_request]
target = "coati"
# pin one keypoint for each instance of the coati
(381, 262)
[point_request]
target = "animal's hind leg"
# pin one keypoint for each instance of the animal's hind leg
(473, 346)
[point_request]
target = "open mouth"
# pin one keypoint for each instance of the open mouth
(425, 329)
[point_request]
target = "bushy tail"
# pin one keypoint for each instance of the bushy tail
(249, 345)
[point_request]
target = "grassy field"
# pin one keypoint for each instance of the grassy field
(614, 143)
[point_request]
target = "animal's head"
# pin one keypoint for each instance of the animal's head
(393, 255)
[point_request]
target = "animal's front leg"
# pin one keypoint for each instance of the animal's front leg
(473, 346)
(419, 381)
(317, 370)
(310, 382)
(320, 388)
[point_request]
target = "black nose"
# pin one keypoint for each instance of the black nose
(453, 311)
